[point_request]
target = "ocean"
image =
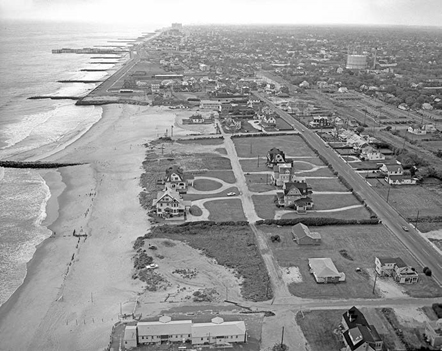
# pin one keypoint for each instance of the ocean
(28, 68)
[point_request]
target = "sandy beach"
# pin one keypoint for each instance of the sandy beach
(74, 285)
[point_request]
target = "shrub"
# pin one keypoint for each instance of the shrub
(139, 242)
(437, 308)
(142, 260)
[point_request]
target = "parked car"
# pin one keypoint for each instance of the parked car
(405, 228)
(152, 266)
(231, 194)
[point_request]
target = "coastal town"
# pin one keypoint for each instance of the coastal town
(248, 188)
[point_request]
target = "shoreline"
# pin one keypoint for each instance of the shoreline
(101, 198)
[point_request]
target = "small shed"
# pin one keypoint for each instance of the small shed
(303, 236)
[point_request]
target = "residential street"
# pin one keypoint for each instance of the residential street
(419, 247)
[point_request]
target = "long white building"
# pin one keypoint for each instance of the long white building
(165, 330)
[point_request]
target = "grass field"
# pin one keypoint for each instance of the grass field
(362, 243)
(321, 172)
(231, 246)
(206, 184)
(434, 145)
(318, 327)
(223, 193)
(207, 141)
(221, 150)
(333, 201)
(226, 175)
(252, 165)
(225, 210)
(208, 161)
(258, 183)
(291, 145)
(408, 199)
(327, 185)
(264, 206)
(352, 213)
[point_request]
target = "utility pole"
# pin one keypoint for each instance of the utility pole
(417, 218)
(282, 337)
(258, 161)
(250, 148)
(388, 194)
(375, 278)
(171, 131)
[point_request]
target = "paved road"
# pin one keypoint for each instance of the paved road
(419, 247)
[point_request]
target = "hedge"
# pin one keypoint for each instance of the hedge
(318, 221)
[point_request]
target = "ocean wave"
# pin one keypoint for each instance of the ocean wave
(44, 128)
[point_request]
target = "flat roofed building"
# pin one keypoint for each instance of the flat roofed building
(165, 330)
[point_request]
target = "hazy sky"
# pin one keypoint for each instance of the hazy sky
(401, 12)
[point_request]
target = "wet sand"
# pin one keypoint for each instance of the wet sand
(71, 294)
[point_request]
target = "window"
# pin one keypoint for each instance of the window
(202, 339)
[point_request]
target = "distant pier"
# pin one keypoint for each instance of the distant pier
(79, 81)
(54, 97)
(94, 50)
(93, 70)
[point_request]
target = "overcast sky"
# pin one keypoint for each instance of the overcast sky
(398, 12)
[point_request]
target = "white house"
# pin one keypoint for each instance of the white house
(130, 336)
(400, 179)
(169, 204)
(324, 270)
(165, 330)
(392, 169)
(371, 154)
(417, 130)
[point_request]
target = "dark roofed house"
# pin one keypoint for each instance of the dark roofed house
(275, 156)
(297, 195)
(395, 267)
(358, 334)
(303, 236)
(177, 180)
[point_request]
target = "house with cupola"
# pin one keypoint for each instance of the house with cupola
(275, 157)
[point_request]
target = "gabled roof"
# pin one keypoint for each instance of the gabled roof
(360, 334)
(393, 167)
(301, 230)
(303, 201)
(200, 330)
(273, 152)
(304, 188)
(396, 260)
(323, 267)
(174, 169)
(168, 192)
(168, 328)
(353, 317)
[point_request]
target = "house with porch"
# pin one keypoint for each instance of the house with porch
(391, 169)
(296, 195)
(402, 179)
(325, 271)
(395, 267)
(275, 156)
(303, 236)
(357, 333)
(371, 154)
(176, 179)
(170, 204)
